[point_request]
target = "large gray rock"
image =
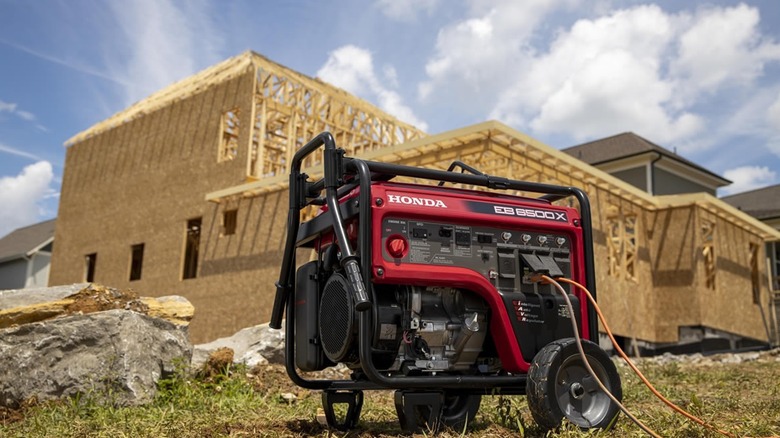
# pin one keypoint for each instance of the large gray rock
(252, 346)
(116, 355)
(25, 297)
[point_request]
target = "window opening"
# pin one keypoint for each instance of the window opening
(136, 261)
(229, 222)
(228, 146)
(191, 248)
(90, 262)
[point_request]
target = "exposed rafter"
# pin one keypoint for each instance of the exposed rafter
(287, 95)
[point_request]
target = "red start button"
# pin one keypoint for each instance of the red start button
(397, 246)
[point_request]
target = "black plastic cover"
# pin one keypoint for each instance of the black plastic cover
(308, 350)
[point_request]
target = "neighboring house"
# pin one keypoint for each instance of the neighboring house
(647, 166)
(185, 193)
(25, 256)
(763, 204)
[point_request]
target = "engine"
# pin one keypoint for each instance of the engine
(444, 329)
(417, 329)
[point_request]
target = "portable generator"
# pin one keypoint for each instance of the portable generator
(429, 290)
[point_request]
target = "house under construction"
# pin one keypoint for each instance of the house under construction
(185, 193)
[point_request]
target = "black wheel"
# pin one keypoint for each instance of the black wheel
(559, 385)
(457, 411)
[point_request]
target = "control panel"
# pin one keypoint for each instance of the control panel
(503, 256)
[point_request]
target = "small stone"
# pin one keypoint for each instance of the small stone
(253, 346)
(751, 357)
(218, 363)
(731, 359)
(289, 398)
(321, 418)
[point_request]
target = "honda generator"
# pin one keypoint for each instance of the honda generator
(433, 291)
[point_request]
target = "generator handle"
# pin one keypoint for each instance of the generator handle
(333, 164)
(297, 186)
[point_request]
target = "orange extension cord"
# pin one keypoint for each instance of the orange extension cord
(633, 367)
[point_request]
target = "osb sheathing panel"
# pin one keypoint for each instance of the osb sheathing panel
(730, 306)
(682, 296)
(139, 183)
(625, 301)
(672, 237)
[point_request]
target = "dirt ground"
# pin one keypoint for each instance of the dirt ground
(97, 298)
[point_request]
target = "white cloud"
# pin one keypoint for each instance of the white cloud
(636, 69)
(349, 67)
(773, 121)
(25, 115)
(13, 109)
(602, 76)
(18, 153)
(352, 68)
(21, 196)
(773, 114)
(722, 46)
(406, 10)
(65, 62)
(162, 42)
(482, 55)
(390, 75)
(6, 106)
(748, 178)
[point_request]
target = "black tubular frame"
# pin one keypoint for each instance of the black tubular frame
(339, 171)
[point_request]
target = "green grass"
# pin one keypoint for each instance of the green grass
(744, 399)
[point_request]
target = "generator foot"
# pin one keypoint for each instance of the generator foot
(354, 402)
(418, 409)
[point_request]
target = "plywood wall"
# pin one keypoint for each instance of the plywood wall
(139, 183)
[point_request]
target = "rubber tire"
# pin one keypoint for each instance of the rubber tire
(545, 396)
(457, 412)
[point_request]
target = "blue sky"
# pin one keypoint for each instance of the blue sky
(701, 78)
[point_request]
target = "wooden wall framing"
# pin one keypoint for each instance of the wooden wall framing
(289, 113)
(289, 109)
(707, 227)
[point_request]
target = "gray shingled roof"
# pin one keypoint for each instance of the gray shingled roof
(760, 203)
(21, 241)
(627, 145)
